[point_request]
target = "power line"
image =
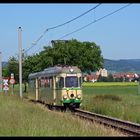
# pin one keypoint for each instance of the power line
(33, 44)
(75, 17)
(94, 21)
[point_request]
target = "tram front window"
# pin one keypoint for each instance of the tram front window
(72, 81)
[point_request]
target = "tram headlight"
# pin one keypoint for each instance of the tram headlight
(79, 96)
(65, 97)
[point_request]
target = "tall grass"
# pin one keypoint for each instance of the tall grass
(21, 118)
(118, 101)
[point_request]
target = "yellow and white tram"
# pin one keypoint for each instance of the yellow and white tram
(58, 85)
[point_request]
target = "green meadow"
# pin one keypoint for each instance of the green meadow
(116, 99)
(18, 117)
(21, 118)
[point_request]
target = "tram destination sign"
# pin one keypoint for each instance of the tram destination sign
(71, 75)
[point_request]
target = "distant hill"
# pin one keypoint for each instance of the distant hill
(122, 65)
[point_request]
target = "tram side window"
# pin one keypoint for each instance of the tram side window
(51, 82)
(42, 82)
(80, 81)
(32, 83)
(61, 82)
(47, 84)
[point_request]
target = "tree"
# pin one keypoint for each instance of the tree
(102, 79)
(13, 68)
(30, 65)
(85, 55)
(110, 78)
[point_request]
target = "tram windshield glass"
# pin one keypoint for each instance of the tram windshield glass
(72, 81)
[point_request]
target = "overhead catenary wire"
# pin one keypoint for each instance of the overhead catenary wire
(94, 21)
(75, 17)
(57, 26)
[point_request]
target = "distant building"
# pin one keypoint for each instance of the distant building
(94, 77)
(126, 76)
(129, 75)
(102, 72)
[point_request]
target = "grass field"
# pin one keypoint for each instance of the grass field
(109, 84)
(21, 118)
(121, 100)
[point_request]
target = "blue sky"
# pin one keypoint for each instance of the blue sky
(117, 35)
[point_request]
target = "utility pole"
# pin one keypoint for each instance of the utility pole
(139, 86)
(20, 59)
(0, 72)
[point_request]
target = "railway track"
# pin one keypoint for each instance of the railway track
(50, 107)
(128, 128)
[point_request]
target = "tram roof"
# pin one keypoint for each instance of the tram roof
(53, 71)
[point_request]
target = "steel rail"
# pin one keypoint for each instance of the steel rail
(129, 128)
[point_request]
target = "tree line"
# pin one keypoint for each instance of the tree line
(86, 55)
